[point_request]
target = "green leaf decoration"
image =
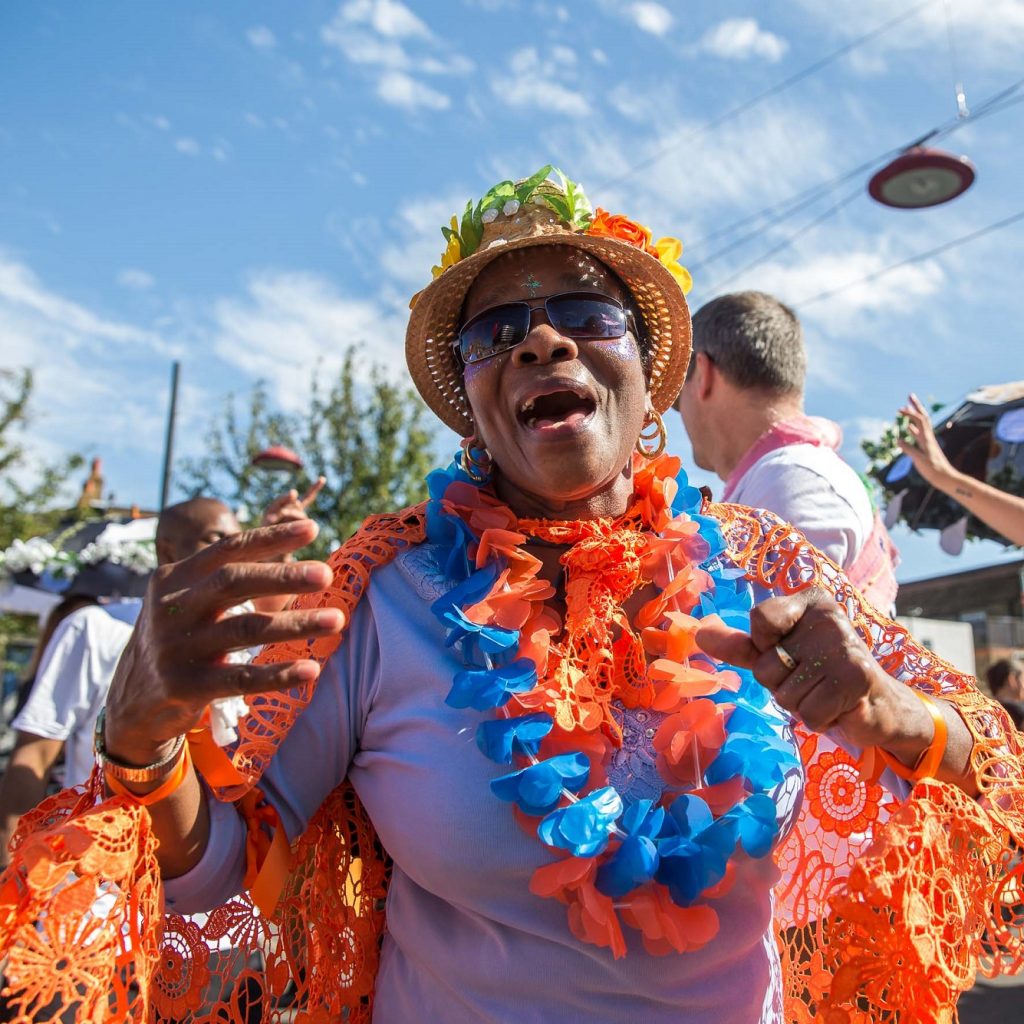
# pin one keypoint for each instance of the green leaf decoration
(472, 229)
(560, 204)
(525, 191)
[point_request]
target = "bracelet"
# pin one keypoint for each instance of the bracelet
(927, 765)
(173, 781)
(113, 768)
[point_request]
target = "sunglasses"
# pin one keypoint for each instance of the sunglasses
(575, 315)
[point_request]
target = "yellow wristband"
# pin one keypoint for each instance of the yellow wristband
(927, 765)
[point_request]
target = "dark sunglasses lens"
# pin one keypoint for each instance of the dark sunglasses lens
(494, 331)
(582, 317)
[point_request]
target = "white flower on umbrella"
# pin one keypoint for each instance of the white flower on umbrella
(511, 208)
(33, 555)
(39, 556)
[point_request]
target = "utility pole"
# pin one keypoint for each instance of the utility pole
(165, 485)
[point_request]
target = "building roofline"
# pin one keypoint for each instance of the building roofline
(980, 570)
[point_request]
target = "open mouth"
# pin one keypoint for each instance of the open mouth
(557, 410)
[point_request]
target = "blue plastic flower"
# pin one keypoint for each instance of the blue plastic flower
(477, 640)
(583, 828)
(695, 858)
(485, 689)
(471, 590)
(761, 760)
(499, 738)
(756, 823)
(537, 788)
(636, 860)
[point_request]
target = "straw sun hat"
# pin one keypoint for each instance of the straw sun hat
(541, 211)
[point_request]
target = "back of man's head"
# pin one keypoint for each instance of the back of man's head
(192, 525)
(1005, 677)
(754, 340)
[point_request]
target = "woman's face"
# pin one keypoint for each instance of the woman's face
(559, 417)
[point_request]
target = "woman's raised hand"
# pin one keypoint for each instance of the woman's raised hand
(923, 449)
(175, 664)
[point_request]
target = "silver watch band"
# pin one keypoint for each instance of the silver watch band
(127, 772)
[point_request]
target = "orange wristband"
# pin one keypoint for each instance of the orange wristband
(179, 773)
(927, 765)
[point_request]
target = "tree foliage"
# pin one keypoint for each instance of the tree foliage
(30, 491)
(371, 442)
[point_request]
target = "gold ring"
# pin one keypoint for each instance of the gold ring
(785, 657)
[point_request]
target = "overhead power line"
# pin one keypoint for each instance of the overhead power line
(785, 208)
(786, 83)
(938, 250)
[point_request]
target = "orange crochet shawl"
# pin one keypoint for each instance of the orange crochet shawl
(884, 909)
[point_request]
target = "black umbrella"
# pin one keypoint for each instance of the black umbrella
(982, 437)
(103, 577)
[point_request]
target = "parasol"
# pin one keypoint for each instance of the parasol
(982, 437)
(105, 557)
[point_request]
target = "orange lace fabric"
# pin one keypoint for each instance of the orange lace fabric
(883, 910)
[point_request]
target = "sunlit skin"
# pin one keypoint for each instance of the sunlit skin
(580, 471)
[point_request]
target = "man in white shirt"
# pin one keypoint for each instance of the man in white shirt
(743, 409)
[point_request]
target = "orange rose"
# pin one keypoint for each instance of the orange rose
(609, 225)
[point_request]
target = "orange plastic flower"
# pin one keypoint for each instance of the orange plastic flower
(668, 928)
(688, 741)
(609, 225)
(839, 797)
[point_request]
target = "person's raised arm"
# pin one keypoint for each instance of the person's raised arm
(24, 783)
(174, 664)
(1003, 512)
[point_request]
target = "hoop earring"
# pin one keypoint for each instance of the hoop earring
(659, 436)
(477, 469)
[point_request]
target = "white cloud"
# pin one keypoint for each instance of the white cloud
(416, 243)
(389, 40)
(899, 291)
(187, 146)
(388, 18)
(288, 323)
(401, 90)
(135, 279)
(651, 17)
(386, 34)
(261, 38)
(991, 31)
(543, 82)
(83, 362)
(742, 39)
(160, 123)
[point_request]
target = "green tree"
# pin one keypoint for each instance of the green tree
(30, 491)
(372, 443)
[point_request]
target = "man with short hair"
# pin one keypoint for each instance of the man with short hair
(1006, 681)
(743, 409)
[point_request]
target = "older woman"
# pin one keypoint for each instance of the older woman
(553, 689)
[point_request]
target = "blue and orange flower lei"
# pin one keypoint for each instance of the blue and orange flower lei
(559, 689)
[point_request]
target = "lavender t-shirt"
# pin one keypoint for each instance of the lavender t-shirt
(466, 939)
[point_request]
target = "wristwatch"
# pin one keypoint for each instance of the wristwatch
(129, 772)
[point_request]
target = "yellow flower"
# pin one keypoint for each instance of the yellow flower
(669, 250)
(452, 254)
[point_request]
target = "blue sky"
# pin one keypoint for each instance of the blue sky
(249, 187)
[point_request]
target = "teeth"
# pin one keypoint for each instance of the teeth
(532, 422)
(527, 405)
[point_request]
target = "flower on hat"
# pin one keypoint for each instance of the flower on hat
(668, 251)
(609, 225)
(453, 253)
